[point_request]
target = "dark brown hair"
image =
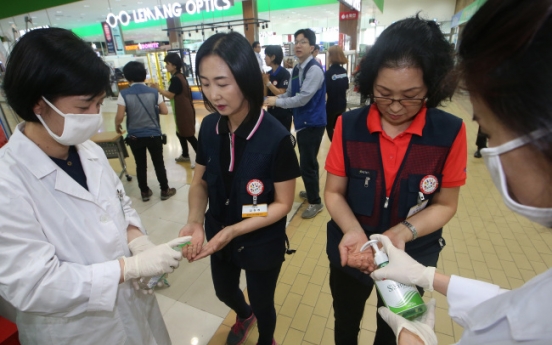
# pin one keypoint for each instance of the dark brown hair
(411, 42)
(505, 59)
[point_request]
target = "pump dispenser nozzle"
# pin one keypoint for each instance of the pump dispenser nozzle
(379, 256)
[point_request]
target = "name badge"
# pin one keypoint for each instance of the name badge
(259, 210)
(417, 208)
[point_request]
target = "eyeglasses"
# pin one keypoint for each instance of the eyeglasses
(302, 42)
(405, 102)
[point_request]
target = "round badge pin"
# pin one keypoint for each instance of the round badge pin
(275, 82)
(255, 187)
(429, 184)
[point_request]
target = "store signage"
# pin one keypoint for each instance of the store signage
(108, 38)
(353, 4)
(351, 15)
(142, 46)
(143, 15)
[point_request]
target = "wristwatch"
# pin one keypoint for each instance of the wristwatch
(268, 84)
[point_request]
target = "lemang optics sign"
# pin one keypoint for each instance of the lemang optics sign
(143, 15)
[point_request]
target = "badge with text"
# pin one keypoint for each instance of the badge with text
(429, 184)
(255, 188)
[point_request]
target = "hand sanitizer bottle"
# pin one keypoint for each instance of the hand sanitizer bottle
(148, 283)
(402, 299)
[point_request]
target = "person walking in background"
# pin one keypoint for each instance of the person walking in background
(276, 81)
(143, 105)
(315, 54)
(306, 95)
(504, 59)
(337, 84)
(246, 171)
(288, 64)
(480, 142)
(395, 167)
(183, 106)
(70, 242)
(257, 49)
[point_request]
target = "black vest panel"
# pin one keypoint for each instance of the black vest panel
(263, 248)
(366, 189)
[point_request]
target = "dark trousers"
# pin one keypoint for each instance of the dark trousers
(331, 120)
(261, 286)
(154, 145)
(481, 141)
(283, 115)
(349, 297)
(184, 143)
(308, 141)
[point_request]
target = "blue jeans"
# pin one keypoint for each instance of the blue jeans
(261, 286)
(308, 141)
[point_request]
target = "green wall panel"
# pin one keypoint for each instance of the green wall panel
(96, 29)
(14, 8)
(263, 6)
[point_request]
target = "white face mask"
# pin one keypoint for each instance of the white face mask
(543, 216)
(77, 128)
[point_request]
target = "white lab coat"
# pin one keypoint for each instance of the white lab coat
(59, 245)
(493, 316)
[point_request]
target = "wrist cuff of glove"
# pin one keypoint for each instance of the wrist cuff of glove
(139, 244)
(429, 273)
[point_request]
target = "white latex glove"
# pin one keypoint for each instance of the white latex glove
(422, 327)
(140, 244)
(402, 268)
(154, 261)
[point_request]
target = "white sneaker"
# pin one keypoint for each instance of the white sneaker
(192, 165)
(181, 159)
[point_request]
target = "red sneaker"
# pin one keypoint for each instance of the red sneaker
(239, 331)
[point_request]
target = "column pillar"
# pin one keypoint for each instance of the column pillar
(349, 24)
(175, 38)
(250, 11)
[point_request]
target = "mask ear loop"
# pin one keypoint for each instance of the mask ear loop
(518, 142)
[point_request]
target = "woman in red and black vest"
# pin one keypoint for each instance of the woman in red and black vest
(394, 167)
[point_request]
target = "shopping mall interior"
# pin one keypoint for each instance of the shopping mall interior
(482, 239)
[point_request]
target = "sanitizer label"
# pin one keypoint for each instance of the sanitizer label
(397, 296)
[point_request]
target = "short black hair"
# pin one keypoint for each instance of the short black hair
(316, 47)
(308, 34)
(52, 63)
(504, 59)
(411, 42)
(255, 44)
(234, 49)
(275, 51)
(135, 71)
(174, 59)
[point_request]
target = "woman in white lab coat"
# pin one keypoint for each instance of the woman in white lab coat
(70, 242)
(505, 60)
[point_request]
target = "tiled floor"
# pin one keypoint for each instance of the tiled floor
(484, 240)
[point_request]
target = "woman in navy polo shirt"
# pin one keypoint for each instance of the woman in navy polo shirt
(337, 84)
(276, 82)
(246, 171)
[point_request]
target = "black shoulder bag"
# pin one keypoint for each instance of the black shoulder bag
(163, 136)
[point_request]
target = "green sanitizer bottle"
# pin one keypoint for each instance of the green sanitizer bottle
(402, 299)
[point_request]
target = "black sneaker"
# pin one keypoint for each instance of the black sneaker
(165, 194)
(477, 154)
(146, 196)
(239, 331)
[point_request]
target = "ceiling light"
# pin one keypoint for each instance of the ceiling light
(86, 5)
(59, 11)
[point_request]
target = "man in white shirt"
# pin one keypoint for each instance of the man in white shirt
(257, 49)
